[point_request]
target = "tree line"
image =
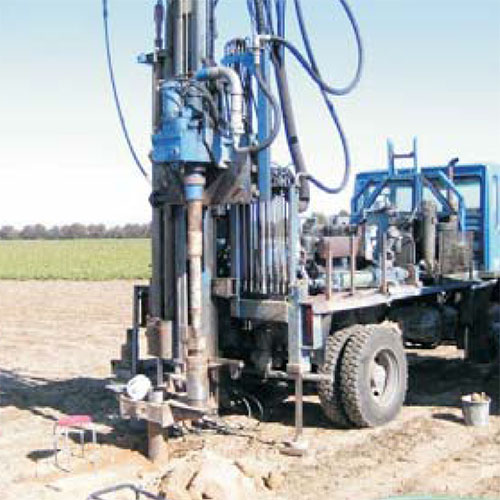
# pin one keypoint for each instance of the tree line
(74, 231)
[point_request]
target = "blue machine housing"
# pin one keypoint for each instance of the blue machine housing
(476, 185)
(179, 138)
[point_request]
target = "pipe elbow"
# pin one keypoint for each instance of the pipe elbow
(236, 90)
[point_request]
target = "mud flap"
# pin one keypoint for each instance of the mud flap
(475, 322)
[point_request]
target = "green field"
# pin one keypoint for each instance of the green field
(77, 259)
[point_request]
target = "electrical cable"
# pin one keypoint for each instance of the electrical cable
(115, 92)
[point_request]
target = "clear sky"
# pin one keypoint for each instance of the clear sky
(432, 70)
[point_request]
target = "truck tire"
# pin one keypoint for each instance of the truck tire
(373, 375)
(329, 392)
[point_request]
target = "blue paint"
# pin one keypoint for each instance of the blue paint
(193, 192)
(264, 126)
(484, 220)
(179, 137)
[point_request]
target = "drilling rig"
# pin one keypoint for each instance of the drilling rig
(243, 285)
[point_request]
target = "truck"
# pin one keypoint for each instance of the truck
(246, 287)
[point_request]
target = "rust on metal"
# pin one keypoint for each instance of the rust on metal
(338, 246)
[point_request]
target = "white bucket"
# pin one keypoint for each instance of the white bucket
(476, 413)
(138, 387)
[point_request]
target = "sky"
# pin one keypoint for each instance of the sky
(432, 71)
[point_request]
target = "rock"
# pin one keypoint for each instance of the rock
(176, 494)
(195, 495)
(213, 477)
(178, 479)
(252, 468)
(220, 479)
(274, 480)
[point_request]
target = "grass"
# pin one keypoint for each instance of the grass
(92, 260)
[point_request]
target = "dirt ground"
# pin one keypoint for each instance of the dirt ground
(56, 340)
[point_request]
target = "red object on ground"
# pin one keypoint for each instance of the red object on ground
(74, 421)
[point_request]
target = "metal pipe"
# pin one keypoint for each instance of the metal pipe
(329, 270)
(251, 230)
(429, 225)
(159, 14)
(181, 315)
(284, 207)
(269, 247)
(157, 447)
(352, 262)
(179, 38)
(383, 263)
(197, 360)
(246, 209)
(299, 406)
(262, 246)
(199, 32)
(275, 243)
(281, 244)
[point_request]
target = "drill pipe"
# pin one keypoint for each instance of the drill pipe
(197, 363)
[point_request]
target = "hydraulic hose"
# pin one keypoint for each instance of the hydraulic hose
(289, 121)
(276, 121)
(291, 130)
(312, 69)
(205, 94)
(310, 52)
(328, 103)
(115, 92)
(259, 16)
(315, 76)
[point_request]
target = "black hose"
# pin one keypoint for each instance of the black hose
(259, 16)
(207, 96)
(291, 129)
(115, 92)
(290, 125)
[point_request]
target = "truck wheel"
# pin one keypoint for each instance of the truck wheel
(329, 392)
(373, 375)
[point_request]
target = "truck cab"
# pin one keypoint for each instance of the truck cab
(477, 186)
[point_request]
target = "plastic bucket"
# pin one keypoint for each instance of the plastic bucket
(138, 387)
(476, 413)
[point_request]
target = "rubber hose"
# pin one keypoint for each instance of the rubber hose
(290, 125)
(259, 16)
(303, 62)
(331, 110)
(116, 98)
(276, 122)
(291, 130)
(310, 52)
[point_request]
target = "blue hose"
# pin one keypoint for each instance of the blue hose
(115, 92)
(312, 69)
(310, 53)
(330, 106)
